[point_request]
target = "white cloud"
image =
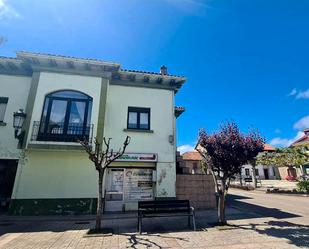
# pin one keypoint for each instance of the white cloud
(285, 142)
(280, 142)
(293, 92)
(184, 148)
(302, 94)
(7, 11)
(302, 124)
(191, 6)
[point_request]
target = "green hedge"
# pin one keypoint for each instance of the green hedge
(303, 186)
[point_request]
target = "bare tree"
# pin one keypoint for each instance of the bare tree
(102, 158)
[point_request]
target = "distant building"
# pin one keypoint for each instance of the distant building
(303, 170)
(263, 172)
(303, 141)
(189, 163)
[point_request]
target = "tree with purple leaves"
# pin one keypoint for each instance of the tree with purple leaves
(225, 152)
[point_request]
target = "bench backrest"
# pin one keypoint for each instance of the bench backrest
(164, 205)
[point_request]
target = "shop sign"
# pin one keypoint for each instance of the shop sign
(138, 157)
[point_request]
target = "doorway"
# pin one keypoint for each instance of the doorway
(266, 174)
(292, 172)
(114, 190)
(8, 170)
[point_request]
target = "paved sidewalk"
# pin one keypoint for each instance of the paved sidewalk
(250, 229)
(271, 184)
(281, 184)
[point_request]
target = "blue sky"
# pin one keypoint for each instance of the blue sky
(245, 60)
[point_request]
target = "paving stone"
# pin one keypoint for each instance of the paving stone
(258, 232)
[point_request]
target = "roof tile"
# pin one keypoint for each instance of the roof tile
(192, 155)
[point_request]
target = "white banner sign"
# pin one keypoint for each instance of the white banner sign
(138, 157)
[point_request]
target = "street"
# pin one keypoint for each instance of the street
(256, 220)
(293, 208)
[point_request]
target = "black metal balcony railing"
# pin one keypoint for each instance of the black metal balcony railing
(60, 132)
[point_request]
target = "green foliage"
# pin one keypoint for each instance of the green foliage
(286, 157)
(303, 186)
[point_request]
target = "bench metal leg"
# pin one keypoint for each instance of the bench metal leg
(193, 220)
(140, 225)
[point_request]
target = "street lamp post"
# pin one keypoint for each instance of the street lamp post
(18, 122)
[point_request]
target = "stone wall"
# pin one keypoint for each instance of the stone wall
(199, 189)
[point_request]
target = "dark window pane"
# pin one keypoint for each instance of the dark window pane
(144, 120)
(247, 172)
(132, 124)
(89, 112)
(195, 166)
(77, 115)
(57, 116)
(2, 111)
(44, 114)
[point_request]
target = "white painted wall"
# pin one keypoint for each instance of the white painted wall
(50, 82)
(161, 103)
(55, 174)
(161, 119)
(16, 88)
(67, 174)
(58, 174)
(260, 169)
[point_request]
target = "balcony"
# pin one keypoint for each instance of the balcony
(59, 133)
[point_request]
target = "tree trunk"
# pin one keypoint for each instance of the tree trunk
(99, 202)
(221, 204)
(240, 180)
(253, 164)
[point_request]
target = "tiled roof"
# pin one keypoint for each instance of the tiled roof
(304, 140)
(268, 147)
(146, 72)
(63, 56)
(94, 60)
(192, 155)
(26, 62)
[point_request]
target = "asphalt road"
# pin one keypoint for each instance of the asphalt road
(292, 208)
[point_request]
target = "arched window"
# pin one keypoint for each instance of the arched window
(66, 116)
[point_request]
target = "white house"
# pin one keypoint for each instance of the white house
(263, 172)
(67, 98)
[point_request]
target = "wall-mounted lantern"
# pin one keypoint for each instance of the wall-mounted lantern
(18, 122)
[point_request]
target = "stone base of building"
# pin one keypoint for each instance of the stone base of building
(67, 206)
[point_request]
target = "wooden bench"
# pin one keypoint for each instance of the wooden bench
(165, 208)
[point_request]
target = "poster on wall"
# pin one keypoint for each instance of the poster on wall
(138, 184)
(115, 181)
